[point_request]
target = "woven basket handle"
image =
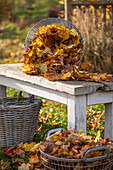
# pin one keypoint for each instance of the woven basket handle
(30, 99)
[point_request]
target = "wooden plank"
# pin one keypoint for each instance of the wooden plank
(104, 23)
(108, 121)
(112, 41)
(68, 10)
(88, 88)
(87, 22)
(99, 3)
(2, 91)
(99, 98)
(112, 15)
(14, 71)
(70, 87)
(108, 86)
(78, 8)
(95, 18)
(77, 112)
(34, 89)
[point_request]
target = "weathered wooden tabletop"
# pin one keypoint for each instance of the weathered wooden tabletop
(73, 87)
(75, 94)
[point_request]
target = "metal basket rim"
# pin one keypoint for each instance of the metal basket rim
(74, 160)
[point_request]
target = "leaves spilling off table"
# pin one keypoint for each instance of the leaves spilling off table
(54, 53)
(22, 157)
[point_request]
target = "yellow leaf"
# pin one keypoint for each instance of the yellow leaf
(41, 111)
(41, 30)
(16, 40)
(8, 60)
(97, 136)
(27, 146)
(33, 159)
(61, 1)
(38, 51)
(73, 32)
(31, 53)
(107, 16)
(39, 42)
(67, 75)
(53, 123)
(80, 131)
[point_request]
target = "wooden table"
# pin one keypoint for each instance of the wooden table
(75, 94)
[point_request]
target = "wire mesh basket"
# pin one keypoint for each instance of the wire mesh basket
(50, 21)
(18, 119)
(104, 162)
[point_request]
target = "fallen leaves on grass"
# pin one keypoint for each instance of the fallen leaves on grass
(5, 165)
(28, 146)
(25, 157)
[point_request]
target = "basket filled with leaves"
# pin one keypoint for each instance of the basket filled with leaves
(53, 48)
(74, 150)
(18, 119)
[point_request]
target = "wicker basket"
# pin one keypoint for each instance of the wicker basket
(104, 162)
(18, 119)
(48, 21)
(99, 163)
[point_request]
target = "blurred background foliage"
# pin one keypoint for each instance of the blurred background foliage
(25, 10)
(17, 17)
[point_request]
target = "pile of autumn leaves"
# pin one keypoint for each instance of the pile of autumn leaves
(22, 157)
(54, 53)
(69, 144)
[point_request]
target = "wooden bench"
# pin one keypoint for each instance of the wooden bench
(75, 94)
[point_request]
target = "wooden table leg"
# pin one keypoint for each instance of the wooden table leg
(2, 91)
(76, 106)
(108, 131)
(26, 94)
